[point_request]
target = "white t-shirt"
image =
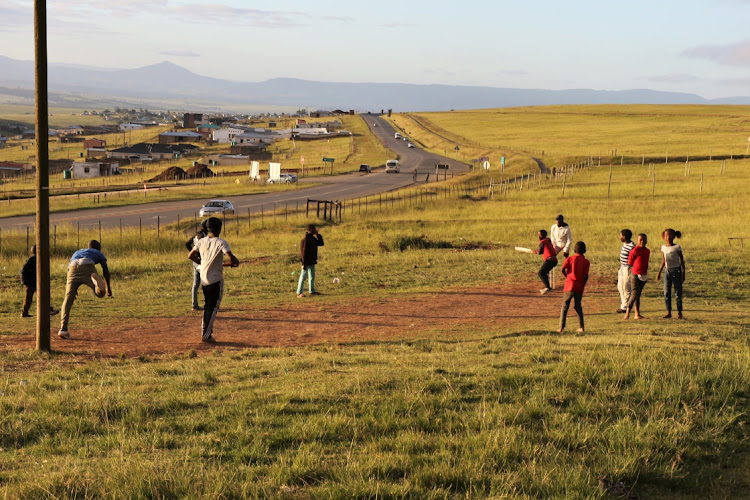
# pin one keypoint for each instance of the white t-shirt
(212, 251)
(671, 255)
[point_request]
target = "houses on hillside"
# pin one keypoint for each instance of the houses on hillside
(152, 152)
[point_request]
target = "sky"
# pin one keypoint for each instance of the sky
(695, 46)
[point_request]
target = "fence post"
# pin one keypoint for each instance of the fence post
(158, 227)
(27, 239)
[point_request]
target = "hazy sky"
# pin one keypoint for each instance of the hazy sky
(698, 46)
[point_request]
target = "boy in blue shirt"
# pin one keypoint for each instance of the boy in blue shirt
(82, 271)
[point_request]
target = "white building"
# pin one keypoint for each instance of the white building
(89, 169)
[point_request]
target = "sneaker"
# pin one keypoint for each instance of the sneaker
(100, 286)
(620, 311)
(197, 308)
(315, 293)
(63, 334)
(209, 340)
(25, 315)
(545, 290)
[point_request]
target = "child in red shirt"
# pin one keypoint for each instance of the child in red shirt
(547, 251)
(576, 272)
(638, 262)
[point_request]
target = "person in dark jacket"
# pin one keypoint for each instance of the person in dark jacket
(189, 244)
(308, 250)
(28, 278)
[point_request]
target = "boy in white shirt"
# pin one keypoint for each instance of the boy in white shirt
(209, 254)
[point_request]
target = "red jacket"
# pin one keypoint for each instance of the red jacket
(638, 260)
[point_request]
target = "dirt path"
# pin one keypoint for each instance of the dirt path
(444, 314)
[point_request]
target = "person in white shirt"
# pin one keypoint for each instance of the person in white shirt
(561, 236)
(209, 253)
(623, 275)
(673, 260)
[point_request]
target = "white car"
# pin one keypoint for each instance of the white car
(410, 145)
(397, 135)
(216, 207)
(284, 178)
(392, 166)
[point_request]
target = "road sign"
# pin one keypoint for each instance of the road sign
(484, 158)
(456, 148)
(486, 165)
(441, 166)
(328, 160)
(502, 160)
(302, 160)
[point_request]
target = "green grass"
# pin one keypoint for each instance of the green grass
(501, 411)
(562, 134)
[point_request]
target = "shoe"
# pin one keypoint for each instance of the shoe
(63, 334)
(315, 293)
(209, 340)
(620, 311)
(100, 286)
(300, 295)
(545, 290)
(25, 315)
(197, 308)
(52, 312)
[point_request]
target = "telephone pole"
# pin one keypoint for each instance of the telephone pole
(42, 179)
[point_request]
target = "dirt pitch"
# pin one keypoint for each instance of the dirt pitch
(452, 313)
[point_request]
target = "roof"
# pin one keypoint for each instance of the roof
(208, 125)
(187, 133)
(146, 148)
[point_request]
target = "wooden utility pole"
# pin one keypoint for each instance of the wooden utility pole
(42, 179)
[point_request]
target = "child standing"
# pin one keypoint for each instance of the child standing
(623, 275)
(209, 253)
(673, 260)
(638, 262)
(576, 272)
(548, 253)
(308, 249)
(28, 279)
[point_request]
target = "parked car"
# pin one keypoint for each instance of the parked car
(284, 179)
(216, 207)
(365, 168)
(392, 166)
(410, 145)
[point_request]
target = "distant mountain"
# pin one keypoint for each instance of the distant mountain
(168, 82)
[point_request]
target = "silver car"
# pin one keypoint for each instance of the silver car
(216, 207)
(284, 179)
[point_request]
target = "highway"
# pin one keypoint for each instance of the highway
(336, 187)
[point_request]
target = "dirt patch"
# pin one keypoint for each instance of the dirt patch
(170, 174)
(199, 171)
(443, 314)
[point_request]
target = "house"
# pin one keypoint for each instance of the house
(89, 169)
(57, 166)
(13, 169)
(94, 143)
(130, 126)
(71, 130)
(192, 120)
(150, 152)
(225, 160)
(207, 130)
(177, 137)
(254, 151)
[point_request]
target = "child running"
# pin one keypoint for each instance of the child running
(623, 275)
(673, 260)
(209, 253)
(547, 251)
(638, 262)
(576, 272)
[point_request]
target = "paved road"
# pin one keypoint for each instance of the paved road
(339, 187)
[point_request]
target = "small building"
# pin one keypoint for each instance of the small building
(152, 152)
(130, 126)
(14, 169)
(192, 120)
(175, 137)
(94, 143)
(225, 160)
(89, 169)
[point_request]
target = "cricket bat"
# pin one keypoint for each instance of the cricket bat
(524, 250)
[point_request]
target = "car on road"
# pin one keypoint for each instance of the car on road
(392, 166)
(216, 207)
(284, 179)
(397, 135)
(365, 168)
(410, 145)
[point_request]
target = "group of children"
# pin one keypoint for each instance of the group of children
(631, 278)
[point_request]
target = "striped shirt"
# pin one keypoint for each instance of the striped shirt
(625, 252)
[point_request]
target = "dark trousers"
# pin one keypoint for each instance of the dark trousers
(567, 297)
(543, 273)
(28, 298)
(636, 287)
(673, 277)
(212, 294)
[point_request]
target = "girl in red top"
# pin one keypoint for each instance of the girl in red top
(638, 262)
(547, 250)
